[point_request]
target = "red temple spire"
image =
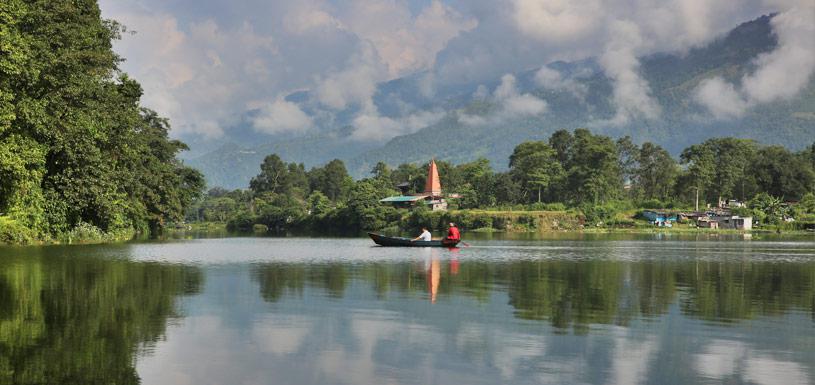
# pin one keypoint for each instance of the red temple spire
(433, 184)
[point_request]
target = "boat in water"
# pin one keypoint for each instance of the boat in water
(383, 240)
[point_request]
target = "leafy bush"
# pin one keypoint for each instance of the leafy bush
(12, 232)
(85, 232)
(602, 213)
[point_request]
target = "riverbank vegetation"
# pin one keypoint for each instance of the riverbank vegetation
(80, 158)
(573, 180)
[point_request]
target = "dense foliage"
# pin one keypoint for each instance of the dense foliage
(590, 175)
(76, 147)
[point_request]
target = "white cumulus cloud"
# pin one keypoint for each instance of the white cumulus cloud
(632, 95)
(552, 79)
(370, 126)
(281, 116)
(511, 104)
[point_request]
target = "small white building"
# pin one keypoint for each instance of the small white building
(734, 222)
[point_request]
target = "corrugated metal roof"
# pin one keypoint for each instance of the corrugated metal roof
(404, 198)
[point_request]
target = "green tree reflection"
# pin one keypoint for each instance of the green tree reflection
(83, 320)
(573, 294)
(733, 291)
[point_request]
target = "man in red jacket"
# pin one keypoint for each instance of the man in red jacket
(452, 233)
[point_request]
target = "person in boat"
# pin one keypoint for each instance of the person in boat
(453, 233)
(424, 236)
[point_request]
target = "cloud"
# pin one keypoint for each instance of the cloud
(205, 63)
(281, 116)
(632, 95)
(723, 359)
(631, 359)
(205, 67)
(406, 43)
(553, 80)
(370, 126)
(308, 18)
(199, 75)
(355, 83)
(515, 103)
(721, 98)
(511, 104)
(393, 43)
(780, 74)
(783, 72)
(558, 20)
(619, 32)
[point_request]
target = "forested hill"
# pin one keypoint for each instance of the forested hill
(79, 156)
(672, 77)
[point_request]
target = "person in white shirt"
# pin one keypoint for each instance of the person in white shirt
(424, 236)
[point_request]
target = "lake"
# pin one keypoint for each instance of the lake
(562, 309)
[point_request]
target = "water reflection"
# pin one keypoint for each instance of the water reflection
(326, 311)
(567, 293)
(82, 320)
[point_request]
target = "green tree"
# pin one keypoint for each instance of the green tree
(411, 174)
(593, 171)
(535, 166)
(629, 155)
(90, 153)
(808, 203)
(318, 203)
(780, 173)
(562, 141)
(719, 167)
(279, 211)
(656, 172)
(219, 209)
(700, 172)
(772, 208)
(332, 179)
(381, 171)
(272, 177)
(478, 184)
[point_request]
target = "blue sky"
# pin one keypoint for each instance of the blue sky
(203, 63)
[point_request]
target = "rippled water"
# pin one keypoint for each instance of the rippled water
(563, 310)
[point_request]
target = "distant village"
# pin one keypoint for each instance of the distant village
(719, 217)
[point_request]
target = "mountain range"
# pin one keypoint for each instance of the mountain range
(470, 122)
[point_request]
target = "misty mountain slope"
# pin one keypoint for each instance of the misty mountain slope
(673, 80)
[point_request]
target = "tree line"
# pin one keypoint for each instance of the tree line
(76, 146)
(575, 170)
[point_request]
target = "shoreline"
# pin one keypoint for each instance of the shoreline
(204, 229)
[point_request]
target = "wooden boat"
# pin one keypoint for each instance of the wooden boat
(382, 240)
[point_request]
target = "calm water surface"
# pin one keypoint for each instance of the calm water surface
(579, 310)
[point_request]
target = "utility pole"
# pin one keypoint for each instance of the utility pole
(697, 199)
